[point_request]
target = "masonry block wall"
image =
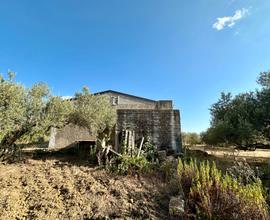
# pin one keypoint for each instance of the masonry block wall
(69, 135)
(148, 118)
(161, 125)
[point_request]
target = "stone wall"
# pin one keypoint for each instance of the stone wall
(162, 126)
(68, 136)
(131, 102)
(148, 118)
(128, 102)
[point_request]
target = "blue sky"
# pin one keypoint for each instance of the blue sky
(159, 49)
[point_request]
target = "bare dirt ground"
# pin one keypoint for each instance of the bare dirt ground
(56, 189)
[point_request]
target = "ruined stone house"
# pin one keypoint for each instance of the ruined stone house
(157, 120)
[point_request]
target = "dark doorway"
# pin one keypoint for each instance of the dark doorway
(84, 148)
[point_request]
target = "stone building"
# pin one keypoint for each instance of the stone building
(152, 119)
(148, 118)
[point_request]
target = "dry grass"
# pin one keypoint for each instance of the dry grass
(262, 155)
(54, 189)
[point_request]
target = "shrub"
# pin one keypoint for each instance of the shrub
(167, 168)
(133, 162)
(242, 172)
(211, 195)
(132, 165)
(149, 150)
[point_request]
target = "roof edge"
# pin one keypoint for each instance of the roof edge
(125, 94)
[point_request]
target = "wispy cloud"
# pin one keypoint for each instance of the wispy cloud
(230, 21)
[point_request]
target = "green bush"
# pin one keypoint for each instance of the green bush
(242, 171)
(211, 195)
(149, 151)
(132, 165)
(167, 168)
(133, 162)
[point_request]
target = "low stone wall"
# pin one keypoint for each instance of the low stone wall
(69, 135)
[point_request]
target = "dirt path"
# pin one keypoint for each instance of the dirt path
(259, 154)
(53, 189)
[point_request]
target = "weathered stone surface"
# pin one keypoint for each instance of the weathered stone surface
(177, 207)
(70, 134)
(125, 101)
(162, 126)
(148, 118)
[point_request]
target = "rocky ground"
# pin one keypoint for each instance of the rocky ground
(59, 189)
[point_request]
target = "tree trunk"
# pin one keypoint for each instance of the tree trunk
(7, 145)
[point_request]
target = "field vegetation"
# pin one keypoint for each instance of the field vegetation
(138, 181)
(213, 195)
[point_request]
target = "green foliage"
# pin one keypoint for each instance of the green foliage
(131, 163)
(264, 79)
(149, 150)
(241, 120)
(168, 169)
(13, 106)
(190, 138)
(93, 111)
(242, 172)
(26, 111)
(29, 113)
(33, 108)
(211, 195)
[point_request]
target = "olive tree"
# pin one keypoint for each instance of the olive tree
(25, 111)
(93, 112)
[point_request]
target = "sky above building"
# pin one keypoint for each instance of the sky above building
(188, 51)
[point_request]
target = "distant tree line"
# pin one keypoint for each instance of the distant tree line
(242, 120)
(190, 138)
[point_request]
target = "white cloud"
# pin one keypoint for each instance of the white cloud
(66, 97)
(230, 21)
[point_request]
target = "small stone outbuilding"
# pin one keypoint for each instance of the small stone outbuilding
(69, 136)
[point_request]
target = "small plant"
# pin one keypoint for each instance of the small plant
(167, 168)
(242, 172)
(150, 150)
(131, 162)
(132, 165)
(93, 154)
